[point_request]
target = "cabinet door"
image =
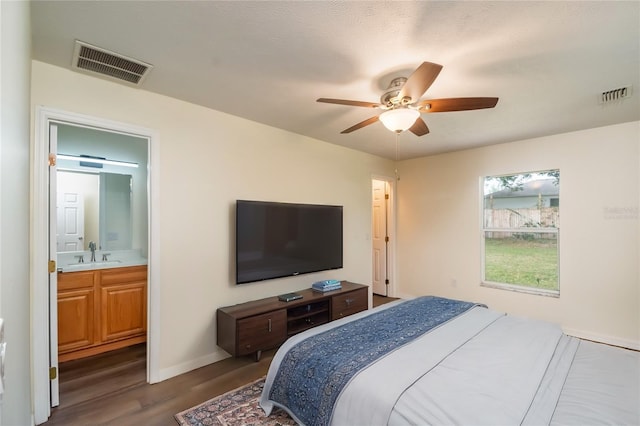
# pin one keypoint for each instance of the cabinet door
(76, 319)
(123, 311)
(261, 332)
(350, 303)
(77, 307)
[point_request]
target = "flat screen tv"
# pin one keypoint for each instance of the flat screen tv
(275, 240)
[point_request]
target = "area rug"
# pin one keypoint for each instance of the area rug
(234, 408)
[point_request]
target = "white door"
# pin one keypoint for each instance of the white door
(379, 237)
(53, 273)
(70, 224)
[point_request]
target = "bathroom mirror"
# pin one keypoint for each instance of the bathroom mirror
(111, 197)
(93, 207)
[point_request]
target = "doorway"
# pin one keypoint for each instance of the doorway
(101, 214)
(45, 245)
(382, 236)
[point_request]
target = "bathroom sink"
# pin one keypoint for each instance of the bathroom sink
(91, 265)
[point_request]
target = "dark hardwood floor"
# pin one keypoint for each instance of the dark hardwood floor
(111, 389)
(381, 300)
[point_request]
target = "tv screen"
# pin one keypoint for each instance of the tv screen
(275, 240)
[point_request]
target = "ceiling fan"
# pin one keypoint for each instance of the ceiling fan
(402, 106)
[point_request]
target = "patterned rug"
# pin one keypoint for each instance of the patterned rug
(234, 408)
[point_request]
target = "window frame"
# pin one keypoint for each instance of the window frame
(520, 288)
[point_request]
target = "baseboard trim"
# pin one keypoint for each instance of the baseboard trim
(185, 367)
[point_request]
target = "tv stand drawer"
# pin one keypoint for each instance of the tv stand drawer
(261, 332)
(343, 305)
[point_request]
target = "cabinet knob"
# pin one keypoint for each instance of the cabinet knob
(349, 301)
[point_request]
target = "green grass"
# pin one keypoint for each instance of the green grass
(531, 263)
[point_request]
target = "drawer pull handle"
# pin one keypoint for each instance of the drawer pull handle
(269, 325)
(349, 301)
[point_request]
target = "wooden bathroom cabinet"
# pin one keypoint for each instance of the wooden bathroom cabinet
(101, 310)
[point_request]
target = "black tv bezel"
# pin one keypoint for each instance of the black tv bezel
(337, 207)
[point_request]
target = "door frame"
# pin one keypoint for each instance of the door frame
(391, 230)
(39, 241)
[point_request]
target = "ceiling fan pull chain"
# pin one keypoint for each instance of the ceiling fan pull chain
(397, 136)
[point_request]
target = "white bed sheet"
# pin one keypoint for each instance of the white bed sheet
(488, 368)
(491, 380)
(372, 394)
(603, 387)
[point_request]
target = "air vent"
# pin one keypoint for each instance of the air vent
(615, 94)
(95, 60)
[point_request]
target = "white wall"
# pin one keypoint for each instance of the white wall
(15, 58)
(440, 240)
(207, 160)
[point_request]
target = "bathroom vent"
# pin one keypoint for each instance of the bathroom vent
(615, 94)
(95, 60)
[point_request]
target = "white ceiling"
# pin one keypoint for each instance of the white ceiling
(268, 61)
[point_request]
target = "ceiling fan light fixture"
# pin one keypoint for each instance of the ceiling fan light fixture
(399, 119)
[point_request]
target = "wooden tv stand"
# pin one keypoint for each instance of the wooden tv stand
(251, 327)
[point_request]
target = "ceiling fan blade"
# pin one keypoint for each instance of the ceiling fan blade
(421, 79)
(419, 128)
(347, 102)
(456, 104)
(361, 124)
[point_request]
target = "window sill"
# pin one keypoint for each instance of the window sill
(521, 289)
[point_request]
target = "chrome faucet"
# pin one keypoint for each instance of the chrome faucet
(92, 247)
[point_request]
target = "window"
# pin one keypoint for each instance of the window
(521, 220)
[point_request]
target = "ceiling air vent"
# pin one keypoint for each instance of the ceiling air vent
(615, 94)
(100, 61)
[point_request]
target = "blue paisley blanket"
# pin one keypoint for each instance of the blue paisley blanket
(313, 373)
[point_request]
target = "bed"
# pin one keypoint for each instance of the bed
(432, 360)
